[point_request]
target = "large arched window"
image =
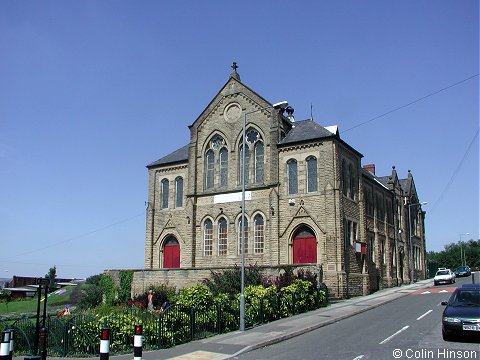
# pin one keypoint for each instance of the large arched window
(259, 160)
(312, 178)
(258, 234)
(216, 163)
(247, 161)
(222, 237)
(245, 231)
(209, 169)
(223, 167)
(179, 192)
(208, 238)
(292, 176)
(165, 185)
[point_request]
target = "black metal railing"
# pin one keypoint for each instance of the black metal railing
(78, 335)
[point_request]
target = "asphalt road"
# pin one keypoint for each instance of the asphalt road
(407, 328)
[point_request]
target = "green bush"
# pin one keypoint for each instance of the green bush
(229, 281)
(108, 288)
(87, 296)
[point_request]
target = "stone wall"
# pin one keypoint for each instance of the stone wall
(180, 278)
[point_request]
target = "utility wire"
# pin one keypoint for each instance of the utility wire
(411, 103)
(457, 169)
(75, 237)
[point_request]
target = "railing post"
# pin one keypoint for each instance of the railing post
(219, 318)
(43, 342)
(192, 323)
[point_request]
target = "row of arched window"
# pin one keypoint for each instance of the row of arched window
(216, 160)
(311, 178)
(217, 242)
(165, 192)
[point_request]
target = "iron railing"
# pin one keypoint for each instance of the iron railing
(78, 335)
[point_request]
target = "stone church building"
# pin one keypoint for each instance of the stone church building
(309, 202)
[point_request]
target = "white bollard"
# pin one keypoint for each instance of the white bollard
(10, 356)
(5, 345)
(137, 343)
(105, 344)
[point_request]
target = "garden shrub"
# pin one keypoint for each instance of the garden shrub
(161, 293)
(124, 291)
(108, 288)
(229, 281)
(87, 296)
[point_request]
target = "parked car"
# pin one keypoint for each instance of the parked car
(444, 276)
(463, 271)
(461, 317)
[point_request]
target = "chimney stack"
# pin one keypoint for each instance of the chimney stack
(370, 167)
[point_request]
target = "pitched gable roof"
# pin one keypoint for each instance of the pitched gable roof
(178, 156)
(305, 130)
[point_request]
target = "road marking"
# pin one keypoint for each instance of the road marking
(428, 312)
(426, 292)
(359, 357)
(391, 336)
(443, 291)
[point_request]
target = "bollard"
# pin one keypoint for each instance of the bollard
(137, 343)
(104, 344)
(5, 345)
(43, 343)
(10, 355)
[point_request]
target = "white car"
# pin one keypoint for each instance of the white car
(444, 276)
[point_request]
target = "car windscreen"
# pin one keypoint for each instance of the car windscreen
(466, 298)
(443, 272)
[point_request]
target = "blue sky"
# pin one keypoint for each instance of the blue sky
(93, 91)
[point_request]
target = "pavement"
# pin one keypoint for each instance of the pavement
(229, 345)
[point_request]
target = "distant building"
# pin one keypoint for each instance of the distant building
(309, 201)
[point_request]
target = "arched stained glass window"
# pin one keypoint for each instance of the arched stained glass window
(247, 161)
(259, 234)
(208, 238)
(259, 161)
(222, 237)
(292, 176)
(223, 167)
(179, 192)
(209, 169)
(312, 178)
(240, 236)
(165, 185)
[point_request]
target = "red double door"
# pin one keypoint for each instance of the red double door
(171, 254)
(304, 248)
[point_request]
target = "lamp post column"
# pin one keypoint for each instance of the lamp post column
(242, 282)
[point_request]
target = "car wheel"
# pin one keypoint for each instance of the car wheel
(446, 337)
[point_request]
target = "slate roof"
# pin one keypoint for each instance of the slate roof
(372, 177)
(178, 156)
(305, 130)
(384, 180)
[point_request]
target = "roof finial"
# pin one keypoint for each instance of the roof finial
(234, 73)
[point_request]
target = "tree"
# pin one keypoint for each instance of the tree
(51, 275)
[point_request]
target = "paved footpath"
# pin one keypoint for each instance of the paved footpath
(228, 345)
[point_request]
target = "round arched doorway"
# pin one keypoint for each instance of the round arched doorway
(304, 246)
(171, 253)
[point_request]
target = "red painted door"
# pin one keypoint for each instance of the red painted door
(171, 255)
(304, 250)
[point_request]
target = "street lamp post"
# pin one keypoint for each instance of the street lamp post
(463, 261)
(410, 238)
(280, 105)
